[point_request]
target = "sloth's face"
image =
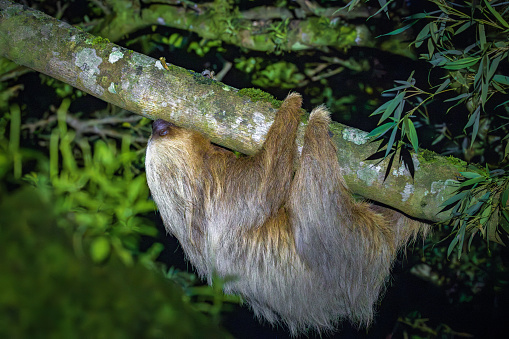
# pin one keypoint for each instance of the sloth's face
(162, 129)
(171, 135)
(170, 146)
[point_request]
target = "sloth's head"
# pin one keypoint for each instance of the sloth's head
(174, 152)
(169, 137)
(176, 143)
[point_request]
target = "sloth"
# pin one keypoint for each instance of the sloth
(290, 239)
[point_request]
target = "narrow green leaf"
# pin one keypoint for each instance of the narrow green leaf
(494, 65)
(502, 79)
(431, 47)
(469, 47)
(502, 104)
(472, 210)
(421, 36)
(485, 197)
(482, 36)
(410, 78)
(461, 235)
(461, 63)
(421, 15)
(398, 111)
(496, 14)
(381, 130)
(485, 215)
(381, 108)
(473, 117)
(383, 7)
(412, 134)
(471, 182)
(393, 104)
(504, 221)
(454, 198)
(470, 175)
(136, 187)
(478, 75)
(464, 27)
(484, 83)
(409, 83)
(397, 89)
(391, 141)
(472, 238)
(460, 78)
(438, 60)
(475, 128)
(455, 211)
(484, 92)
(443, 85)
(504, 197)
(452, 246)
(438, 139)
(404, 127)
(461, 96)
(433, 32)
(399, 30)
(147, 230)
(451, 52)
(497, 86)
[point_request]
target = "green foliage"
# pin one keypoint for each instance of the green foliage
(227, 15)
(7, 67)
(479, 205)
(204, 46)
(62, 89)
(248, 65)
(279, 33)
(174, 40)
(101, 190)
(415, 326)
(47, 291)
(86, 205)
(393, 110)
(280, 74)
(471, 74)
(471, 71)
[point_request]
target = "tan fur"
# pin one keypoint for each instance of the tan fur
(301, 250)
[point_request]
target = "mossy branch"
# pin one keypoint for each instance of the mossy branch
(262, 28)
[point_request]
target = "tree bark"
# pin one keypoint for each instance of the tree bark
(143, 86)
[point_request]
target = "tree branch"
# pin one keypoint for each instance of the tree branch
(253, 29)
(142, 85)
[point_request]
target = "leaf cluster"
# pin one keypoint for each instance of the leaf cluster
(472, 76)
(471, 71)
(478, 206)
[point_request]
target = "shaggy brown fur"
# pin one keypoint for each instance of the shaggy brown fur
(301, 250)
